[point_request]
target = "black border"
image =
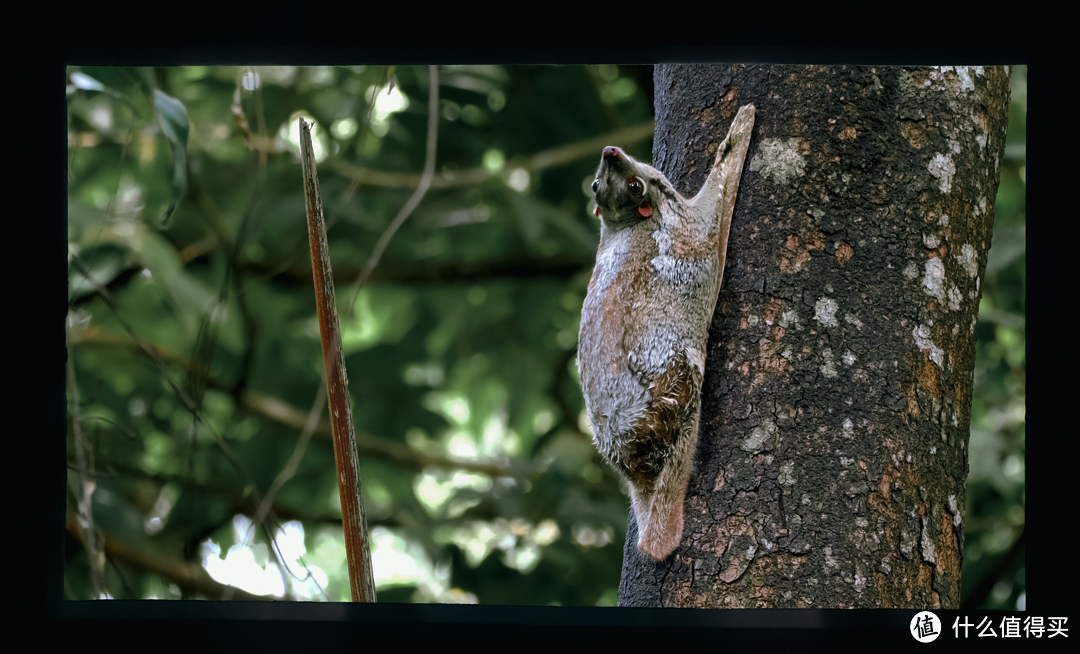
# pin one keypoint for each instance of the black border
(95, 35)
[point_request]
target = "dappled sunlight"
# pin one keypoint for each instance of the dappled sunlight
(436, 489)
(253, 568)
(245, 566)
(519, 541)
(586, 536)
(380, 316)
(399, 562)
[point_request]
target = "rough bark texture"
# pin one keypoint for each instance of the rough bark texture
(832, 456)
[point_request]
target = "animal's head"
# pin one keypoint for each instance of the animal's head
(626, 190)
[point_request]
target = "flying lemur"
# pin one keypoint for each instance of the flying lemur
(645, 322)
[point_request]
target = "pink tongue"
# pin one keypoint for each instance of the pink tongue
(645, 211)
(596, 211)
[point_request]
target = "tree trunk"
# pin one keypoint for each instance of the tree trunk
(832, 458)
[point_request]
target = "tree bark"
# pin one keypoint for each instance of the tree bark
(831, 464)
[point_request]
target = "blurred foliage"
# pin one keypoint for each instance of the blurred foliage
(480, 480)
(186, 227)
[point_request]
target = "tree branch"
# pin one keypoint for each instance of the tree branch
(441, 272)
(357, 541)
(280, 411)
(550, 158)
(188, 576)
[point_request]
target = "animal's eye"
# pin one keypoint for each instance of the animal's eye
(634, 186)
(595, 185)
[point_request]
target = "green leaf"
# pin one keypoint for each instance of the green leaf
(173, 119)
(85, 82)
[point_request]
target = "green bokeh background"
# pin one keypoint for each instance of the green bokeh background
(459, 350)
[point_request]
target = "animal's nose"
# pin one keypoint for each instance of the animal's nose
(612, 152)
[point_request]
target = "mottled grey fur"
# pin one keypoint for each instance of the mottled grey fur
(645, 322)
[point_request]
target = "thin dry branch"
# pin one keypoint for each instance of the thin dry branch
(357, 543)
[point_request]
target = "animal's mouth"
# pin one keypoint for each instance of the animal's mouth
(645, 211)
